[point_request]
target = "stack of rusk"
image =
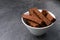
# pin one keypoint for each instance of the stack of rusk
(37, 18)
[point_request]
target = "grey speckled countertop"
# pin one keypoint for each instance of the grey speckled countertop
(11, 27)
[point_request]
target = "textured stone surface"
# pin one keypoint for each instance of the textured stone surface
(11, 27)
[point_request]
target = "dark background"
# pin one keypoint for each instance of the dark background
(11, 27)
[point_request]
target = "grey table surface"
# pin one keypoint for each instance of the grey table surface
(11, 27)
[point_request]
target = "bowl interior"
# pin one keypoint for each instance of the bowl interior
(27, 13)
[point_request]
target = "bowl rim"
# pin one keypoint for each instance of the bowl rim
(37, 27)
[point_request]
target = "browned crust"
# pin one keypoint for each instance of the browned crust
(41, 16)
(32, 24)
(44, 12)
(48, 16)
(51, 19)
(32, 18)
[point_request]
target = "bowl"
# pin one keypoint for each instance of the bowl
(38, 31)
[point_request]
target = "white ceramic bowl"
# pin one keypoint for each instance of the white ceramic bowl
(37, 31)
